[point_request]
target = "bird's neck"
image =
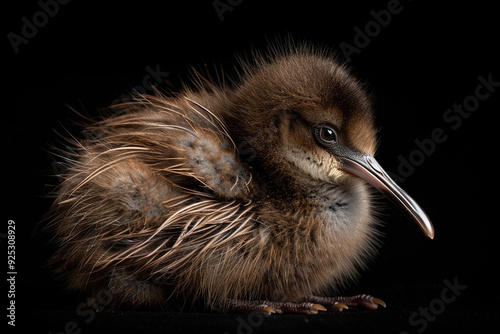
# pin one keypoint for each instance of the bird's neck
(336, 204)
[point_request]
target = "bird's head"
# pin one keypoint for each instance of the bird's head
(305, 120)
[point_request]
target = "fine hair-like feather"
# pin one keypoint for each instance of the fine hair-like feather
(162, 201)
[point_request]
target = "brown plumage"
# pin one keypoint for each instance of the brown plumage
(233, 196)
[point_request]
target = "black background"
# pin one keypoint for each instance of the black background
(426, 59)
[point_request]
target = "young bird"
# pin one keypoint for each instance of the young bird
(249, 198)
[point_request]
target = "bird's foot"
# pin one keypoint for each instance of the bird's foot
(267, 307)
(313, 306)
(337, 304)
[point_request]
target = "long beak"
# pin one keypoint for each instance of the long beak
(367, 168)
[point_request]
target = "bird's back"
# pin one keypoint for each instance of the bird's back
(147, 197)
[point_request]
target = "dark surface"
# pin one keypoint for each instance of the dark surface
(425, 60)
(411, 309)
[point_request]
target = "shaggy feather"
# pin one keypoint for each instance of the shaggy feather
(159, 203)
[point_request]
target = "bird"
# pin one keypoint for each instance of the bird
(251, 196)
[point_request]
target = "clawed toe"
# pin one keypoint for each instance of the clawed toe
(337, 304)
(300, 308)
(265, 307)
(313, 306)
(366, 301)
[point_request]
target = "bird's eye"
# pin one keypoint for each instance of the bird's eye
(327, 134)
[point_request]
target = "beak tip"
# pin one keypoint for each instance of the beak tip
(430, 234)
(424, 223)
(427, 228)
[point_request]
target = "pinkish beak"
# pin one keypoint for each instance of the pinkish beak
(367, 168)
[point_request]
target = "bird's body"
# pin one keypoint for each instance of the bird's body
(225, 195)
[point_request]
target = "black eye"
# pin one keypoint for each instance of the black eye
(327, 134)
